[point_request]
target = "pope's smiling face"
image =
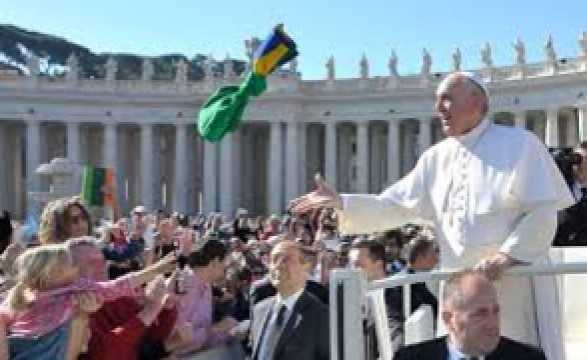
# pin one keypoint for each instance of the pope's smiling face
(459, 105)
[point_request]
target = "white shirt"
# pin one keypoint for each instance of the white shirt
(289, 303)
(455, 354)
(577, 192)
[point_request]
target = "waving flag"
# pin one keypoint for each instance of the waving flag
(97, 185)
(224, 109)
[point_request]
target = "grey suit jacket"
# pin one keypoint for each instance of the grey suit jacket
(305, 336)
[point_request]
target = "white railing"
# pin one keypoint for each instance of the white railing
(350, 291)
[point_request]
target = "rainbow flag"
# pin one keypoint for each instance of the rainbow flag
(98, 186)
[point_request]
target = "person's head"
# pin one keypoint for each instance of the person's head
(341, 254)
(236, 244)
(88, 258)
(461, 103)
(421, 253)
(470, 312)
(160, 215)
(393, 240)
(166, 229)
(208, 260)
(138, 220)
(289, 267)
(63, 219)
(41, 268)
(580, 170)
(369, 256)
(182, 220)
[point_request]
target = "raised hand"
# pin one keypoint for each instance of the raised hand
(323, 196)
(87, 302)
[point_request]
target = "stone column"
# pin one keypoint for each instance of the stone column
(571, 135)
(73, 141)
(227, 166)
(147, 167)
(33, 158)
(210, 179)
(180, 183)
(551, 138)
(425, 136)
(582, 119)
(520, 119)
(291, 161)
(363, 157)
(302, 165)
(274, 170)
(393, 151)
(330, 153)
(111, 146)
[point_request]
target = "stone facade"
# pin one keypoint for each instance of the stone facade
(360, 133)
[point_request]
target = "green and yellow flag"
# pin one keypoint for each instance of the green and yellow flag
(97, 186)
(224, 110)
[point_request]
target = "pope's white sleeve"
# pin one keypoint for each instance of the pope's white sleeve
(405, 201)
(533, 234)
(364, 214)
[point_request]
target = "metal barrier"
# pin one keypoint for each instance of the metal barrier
(349, 292)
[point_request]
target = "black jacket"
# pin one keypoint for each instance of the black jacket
(436, 349)
(305, 335)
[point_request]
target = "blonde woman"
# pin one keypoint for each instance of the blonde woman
(44, 299)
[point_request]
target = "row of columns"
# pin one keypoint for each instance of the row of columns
(285, 171)
(110, 155)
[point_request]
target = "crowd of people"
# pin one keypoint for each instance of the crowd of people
(157, 285)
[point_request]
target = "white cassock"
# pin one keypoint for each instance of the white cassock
(493, 189)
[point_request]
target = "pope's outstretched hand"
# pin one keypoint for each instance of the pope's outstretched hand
(324, 196)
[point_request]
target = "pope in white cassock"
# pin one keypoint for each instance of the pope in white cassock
(491, 191)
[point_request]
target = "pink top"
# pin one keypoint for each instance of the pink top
(53, 308)
(195, 311)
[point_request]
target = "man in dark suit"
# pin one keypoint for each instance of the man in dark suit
(470, 313)
(293, 324)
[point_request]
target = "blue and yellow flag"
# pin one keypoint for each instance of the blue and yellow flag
(275, 51)
(224, 109)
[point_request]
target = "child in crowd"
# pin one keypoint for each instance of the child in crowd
(43, 299)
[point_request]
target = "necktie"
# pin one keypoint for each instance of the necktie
(583, 194)
(272, 333)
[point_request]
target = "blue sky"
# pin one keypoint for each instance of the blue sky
(343, 28)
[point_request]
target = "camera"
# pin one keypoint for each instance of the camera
(565, 158)
(182, 261)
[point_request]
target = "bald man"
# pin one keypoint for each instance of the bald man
(470, 312)
(492, 193)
